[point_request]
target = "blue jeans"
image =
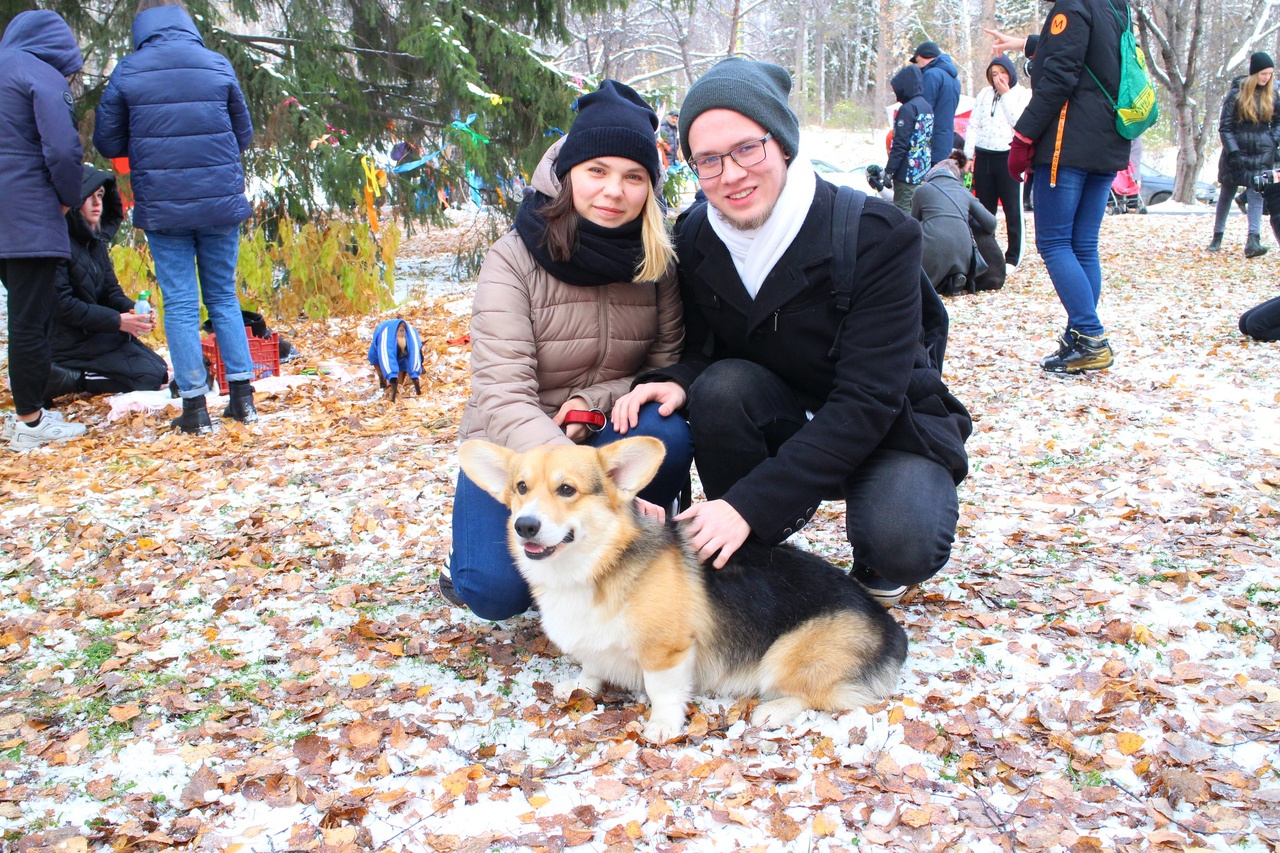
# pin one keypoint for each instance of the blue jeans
(484, 573)
(177, 255)
(1068, 218)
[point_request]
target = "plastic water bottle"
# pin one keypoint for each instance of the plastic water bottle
(142, 306)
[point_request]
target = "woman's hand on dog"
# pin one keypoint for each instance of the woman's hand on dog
(713, 527)
(626, 409)
(577, 433)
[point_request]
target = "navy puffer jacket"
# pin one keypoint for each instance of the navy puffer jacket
(40, 148)
(175, 109)
(942, 91)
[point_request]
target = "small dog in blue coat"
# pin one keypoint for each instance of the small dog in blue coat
(396, 354)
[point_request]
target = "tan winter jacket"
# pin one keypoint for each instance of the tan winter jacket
(537, 341)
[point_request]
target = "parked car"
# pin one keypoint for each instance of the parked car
(1158, 187)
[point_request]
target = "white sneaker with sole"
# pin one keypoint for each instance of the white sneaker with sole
(10, 420)
(49, 431)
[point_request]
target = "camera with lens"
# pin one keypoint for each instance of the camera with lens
(1262, 180)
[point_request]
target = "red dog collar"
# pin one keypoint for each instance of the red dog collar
(594, 419)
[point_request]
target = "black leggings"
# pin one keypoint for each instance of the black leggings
(992, 183)
(29, 283)
(132, 366)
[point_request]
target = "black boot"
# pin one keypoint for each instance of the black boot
(62, 381)
(1253, 247)
(1216, 243)
(240, 406)
(194, 419)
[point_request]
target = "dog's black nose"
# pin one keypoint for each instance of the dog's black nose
(528, 526)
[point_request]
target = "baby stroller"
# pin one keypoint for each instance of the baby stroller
(1125, 196)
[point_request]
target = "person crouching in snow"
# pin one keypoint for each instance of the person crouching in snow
(95, 327)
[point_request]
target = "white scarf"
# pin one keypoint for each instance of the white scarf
(755, 252)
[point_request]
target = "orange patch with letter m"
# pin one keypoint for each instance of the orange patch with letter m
(1059, 24)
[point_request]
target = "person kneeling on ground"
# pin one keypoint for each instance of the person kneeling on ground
(95, 328)
(801, 388)
(570, 305)
(949, 215)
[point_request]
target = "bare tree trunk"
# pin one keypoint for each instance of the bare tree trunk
(884, 93)
(820, 70)
(735, 20)
(801, 52)
(982, 47)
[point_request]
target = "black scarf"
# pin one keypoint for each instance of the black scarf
(603, 255)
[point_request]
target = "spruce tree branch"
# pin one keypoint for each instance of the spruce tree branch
(256, 42)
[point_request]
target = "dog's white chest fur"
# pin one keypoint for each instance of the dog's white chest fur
(600, 641)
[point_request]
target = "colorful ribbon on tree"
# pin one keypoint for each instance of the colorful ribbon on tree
(374, 180)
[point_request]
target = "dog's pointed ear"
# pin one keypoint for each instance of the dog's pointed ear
(632, 462)
(487, 465)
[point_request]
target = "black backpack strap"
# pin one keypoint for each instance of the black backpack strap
(846, 217)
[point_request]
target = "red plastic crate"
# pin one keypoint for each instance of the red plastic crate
(263, 352)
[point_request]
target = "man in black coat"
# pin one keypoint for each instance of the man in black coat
(791, 399)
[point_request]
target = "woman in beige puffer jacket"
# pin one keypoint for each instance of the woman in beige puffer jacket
(572, 304)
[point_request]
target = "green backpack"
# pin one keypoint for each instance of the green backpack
(1135, 103)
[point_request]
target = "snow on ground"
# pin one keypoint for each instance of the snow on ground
(236, 642)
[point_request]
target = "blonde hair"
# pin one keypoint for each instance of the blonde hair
(659, 254)
(1256, 103)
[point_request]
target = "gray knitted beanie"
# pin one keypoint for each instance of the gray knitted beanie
(757, 90)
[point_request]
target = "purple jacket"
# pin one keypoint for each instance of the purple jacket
(40, 150)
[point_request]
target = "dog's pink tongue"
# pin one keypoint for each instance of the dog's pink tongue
(533, 548)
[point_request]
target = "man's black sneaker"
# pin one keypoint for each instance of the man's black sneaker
(886, 592)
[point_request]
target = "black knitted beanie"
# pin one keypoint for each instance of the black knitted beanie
(612, 121)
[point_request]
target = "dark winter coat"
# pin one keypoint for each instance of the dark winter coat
(911, 153)
(1069, 118)
(942, 91)
(948, 214)
(90, 301)
(1247, 147)
(669, 134)
(40, 150)
(176, 110)
(880, 392)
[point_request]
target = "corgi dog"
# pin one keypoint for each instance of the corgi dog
(626, 596)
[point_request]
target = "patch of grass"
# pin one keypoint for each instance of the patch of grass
(1086, 779)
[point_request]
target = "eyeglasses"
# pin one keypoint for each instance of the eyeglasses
(749, 154)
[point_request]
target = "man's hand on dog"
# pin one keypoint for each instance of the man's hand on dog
(712, 527)
(626, 409)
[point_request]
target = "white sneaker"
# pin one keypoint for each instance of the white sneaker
(49, 431)
(10, 419)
